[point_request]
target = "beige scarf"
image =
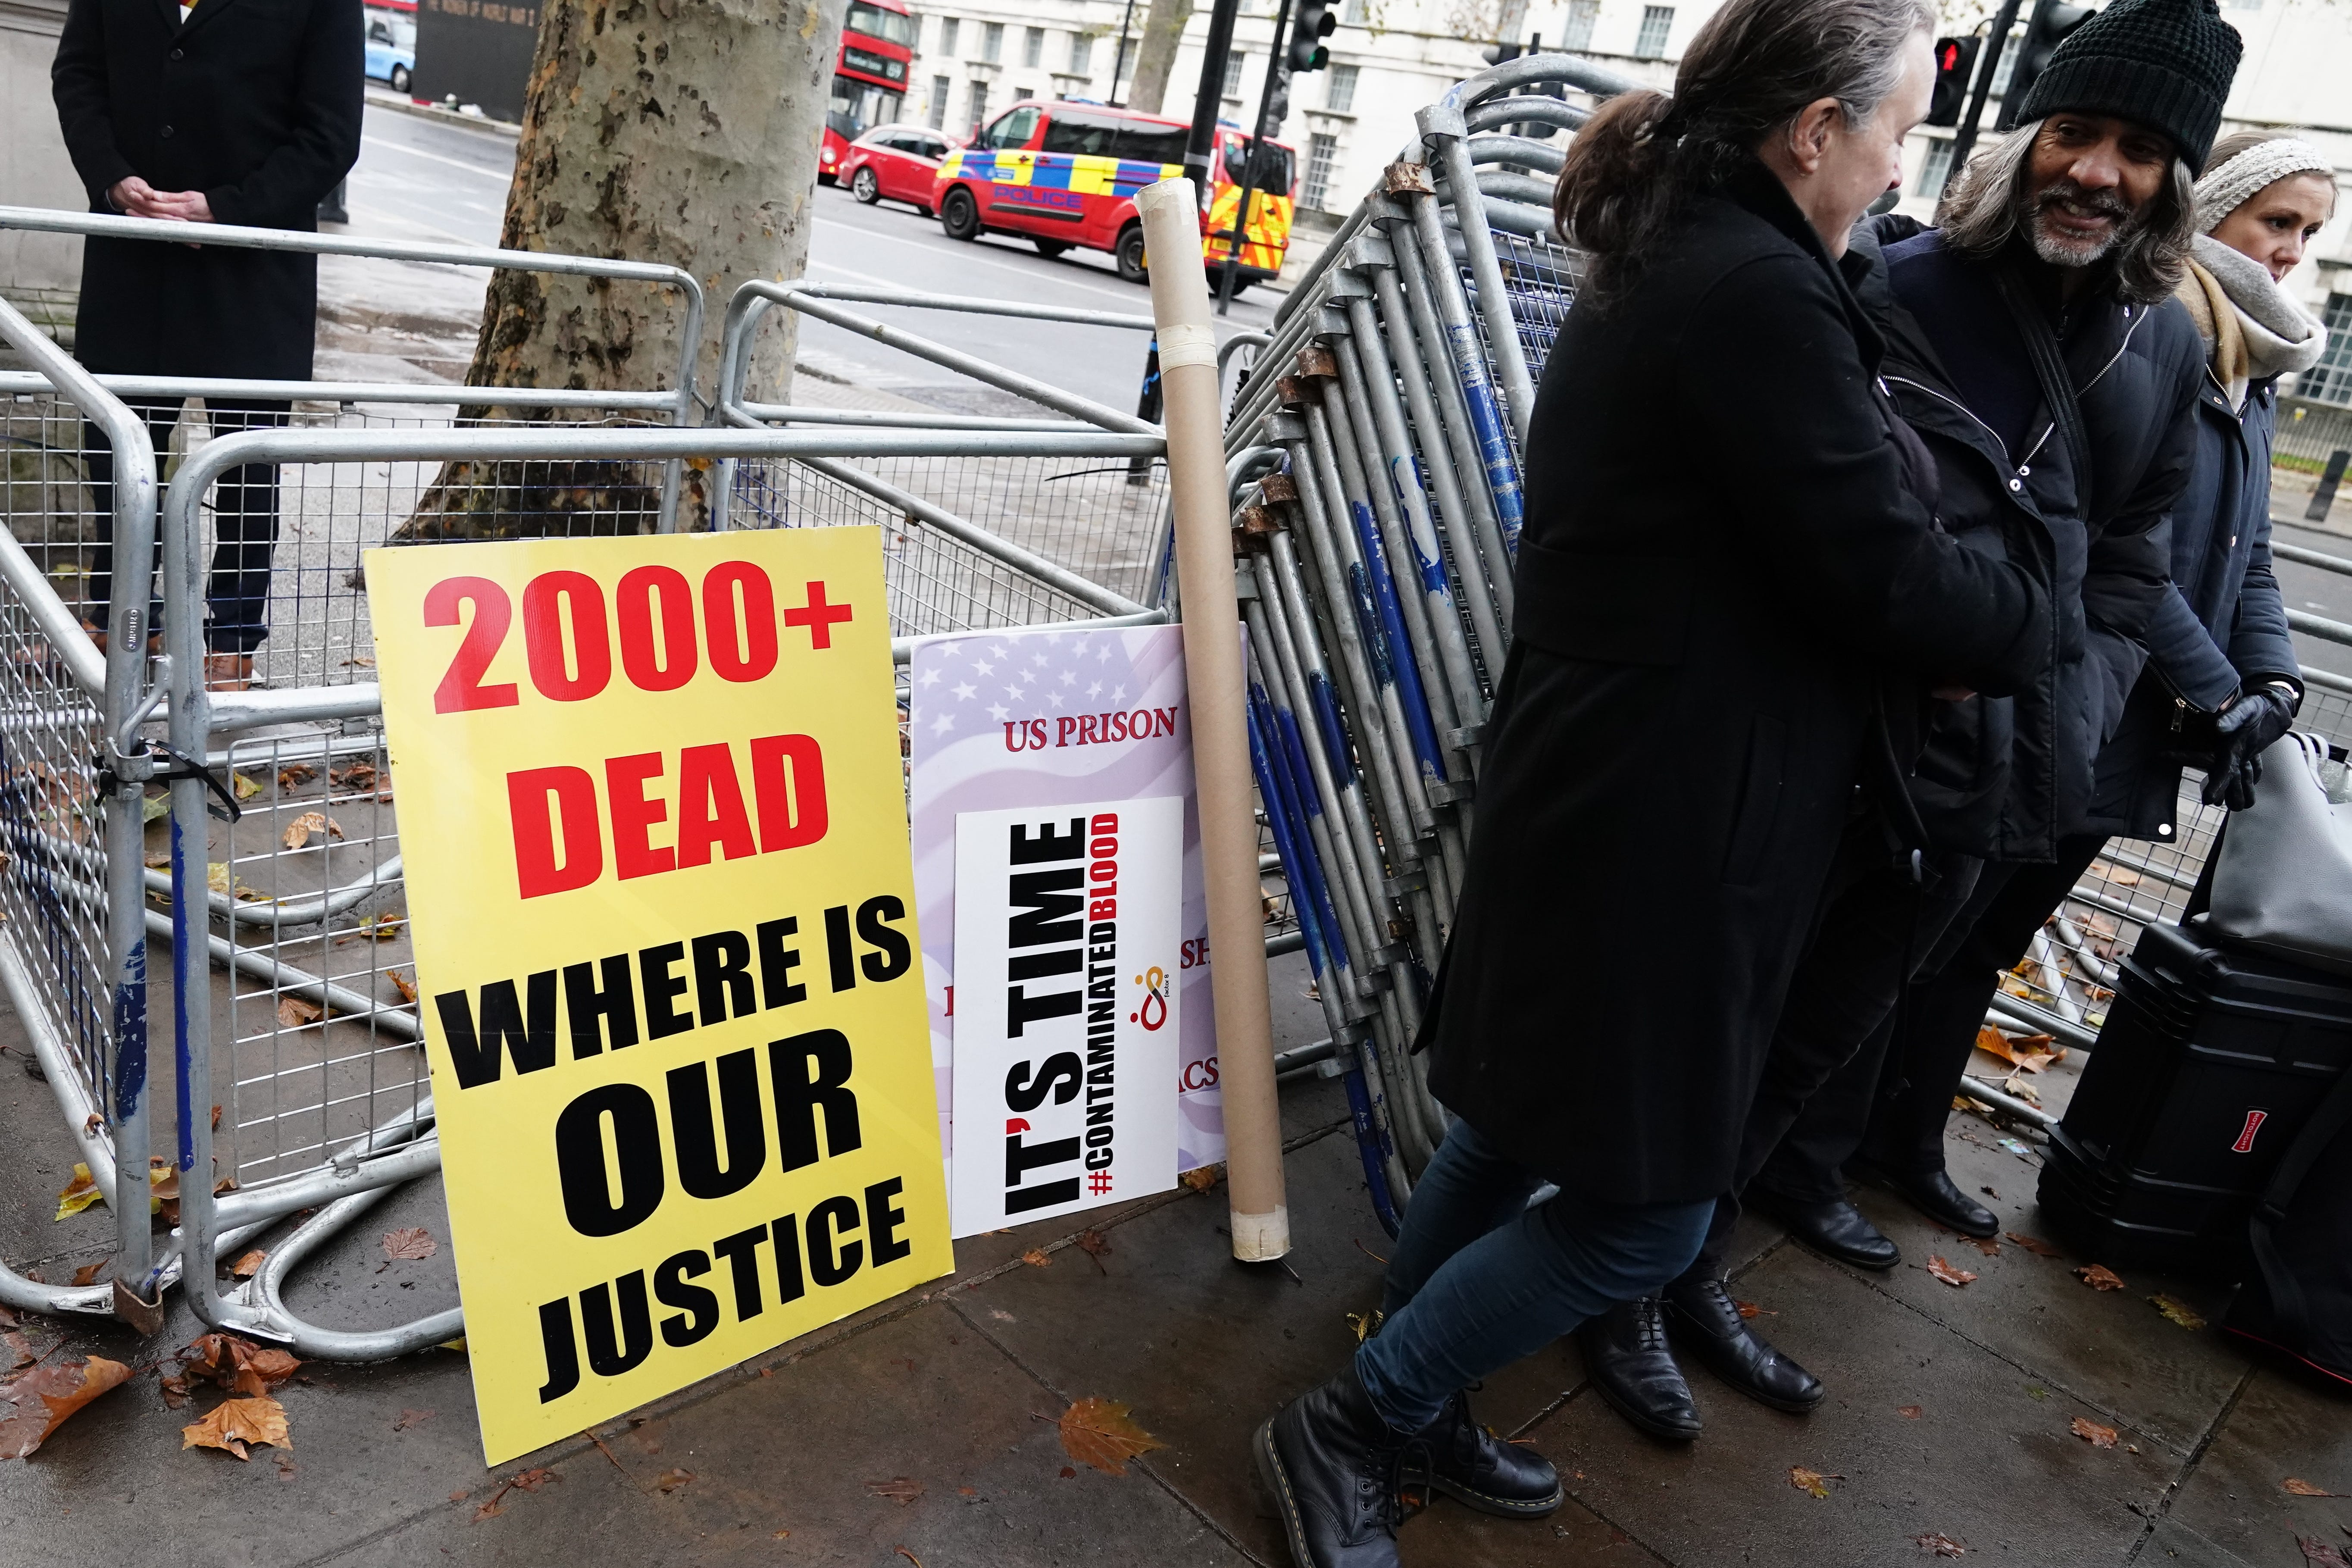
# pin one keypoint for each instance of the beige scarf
(2252, 328)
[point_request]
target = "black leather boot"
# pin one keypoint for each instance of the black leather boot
(1835, 1229)
(1933, 1194)
(1334, 1467)
(1467, 1462)
(1705, 1322)
(1626, 1355)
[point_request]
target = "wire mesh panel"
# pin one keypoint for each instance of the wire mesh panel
(52, 850)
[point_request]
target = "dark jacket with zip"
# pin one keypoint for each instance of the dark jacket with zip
(2004, 777)
(1720, 558)
(2225, 626)
(254, 103)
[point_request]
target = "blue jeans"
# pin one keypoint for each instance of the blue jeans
(1480, 1280)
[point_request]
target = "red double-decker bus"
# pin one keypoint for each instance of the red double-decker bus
(869, 81)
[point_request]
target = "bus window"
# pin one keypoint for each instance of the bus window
(1014, 130)
(1081, 134)
(1152, 143)
(891, 27)
(856, 107)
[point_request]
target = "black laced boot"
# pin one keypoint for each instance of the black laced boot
(1706, 1323)
(1334, 1468)
(1468, 1462)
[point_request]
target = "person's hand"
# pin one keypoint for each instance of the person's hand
(1949, 691)
(131, 196)
(2244, 730)
(181, 207)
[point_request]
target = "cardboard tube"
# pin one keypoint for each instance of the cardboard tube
(1217, 691)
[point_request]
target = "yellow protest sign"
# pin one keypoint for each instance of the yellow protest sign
(655, 846)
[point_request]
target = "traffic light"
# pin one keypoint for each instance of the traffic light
(1310, 25)
(2052, 20)
(1955, 64)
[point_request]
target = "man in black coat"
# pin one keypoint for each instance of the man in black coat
(230, 111)
(2033, 345)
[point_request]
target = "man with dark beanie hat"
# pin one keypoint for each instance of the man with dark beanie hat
(2033, 344)
(2165, 64)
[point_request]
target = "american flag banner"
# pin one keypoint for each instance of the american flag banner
(1050, 716)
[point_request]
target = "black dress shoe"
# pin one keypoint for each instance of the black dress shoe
(1835, 1229)
(1933, 1194)
(1626, 1355)
(1705, 1322)
(1467, 1462)
(1333, 1467)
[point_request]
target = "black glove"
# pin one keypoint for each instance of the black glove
(2242, 732)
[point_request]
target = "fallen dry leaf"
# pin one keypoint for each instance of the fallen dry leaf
(409, 1243)
(296, 774)
(2091, 1432)
(2034, 1245)
(235, 1423)
(46, 1397)
(908, 1556)
(2179, 1311)
(248, 1265)
(1939, 1545)
(1093, 1244)
(244, 787)
(1199, 1179)
(2031, 1052)
(1099, 1433)
(88, 1272)
(2099, 1276)
(1036, 1259)
(408, 1418)
(402, 983)
(1948, 1273)
(359, 775)
(900, 1489)
(1750, 1309)
(1985, 1244)
(526, 1480)
(240, 1365)
(671, 1480)
(1813, 1482)
(18, 1350)
(176, 1392)
(1910, 1412)
(2324, 1553)
(299, 831)
(80, 1192)
(385, 926)
(2304, 1488)
(295, 1012)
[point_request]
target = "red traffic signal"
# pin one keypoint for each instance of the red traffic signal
(1956, 62)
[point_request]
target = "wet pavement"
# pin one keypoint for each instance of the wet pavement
(1950, 1411)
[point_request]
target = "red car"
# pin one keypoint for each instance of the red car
(897, 162)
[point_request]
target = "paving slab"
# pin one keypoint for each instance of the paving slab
(1984, 1463)
(2280, 1429)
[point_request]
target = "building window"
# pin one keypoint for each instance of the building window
(1123, 73)
(939, 88)
(2330, 381)
(1933, 169)
(2007, 62)
(948, 28)
(992, 43)
(979, 105)
(1658, 21)
(1082, 49)
(1340, 92)
(1322, 151)
(1033, 47)
(1354, 14)
(1581, 16)
(1234, 63)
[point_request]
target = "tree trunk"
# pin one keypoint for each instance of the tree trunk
(683, 132)
(1163, 29)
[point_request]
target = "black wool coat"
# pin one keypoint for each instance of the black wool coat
(1720, 564)
(254, 103)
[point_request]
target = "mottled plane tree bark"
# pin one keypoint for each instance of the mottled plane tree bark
(683, 132)
(1155, 56)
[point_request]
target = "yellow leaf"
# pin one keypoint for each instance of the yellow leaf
(62, 1390)
(245, 788)
(2179, 1311)
(299, 831)
(80, 1192)
(217, 878)
(1099, 1433)
(235, 1423)
(1813, 1482)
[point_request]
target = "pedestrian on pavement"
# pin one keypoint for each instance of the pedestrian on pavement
(2035, 347)
(230, 111)
(1675, 738)
(2222, 681)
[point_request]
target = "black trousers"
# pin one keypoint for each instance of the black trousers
(245, 520)
(1889, 1104)
(1874, 924)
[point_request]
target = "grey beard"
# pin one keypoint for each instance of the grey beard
(2061, 253)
